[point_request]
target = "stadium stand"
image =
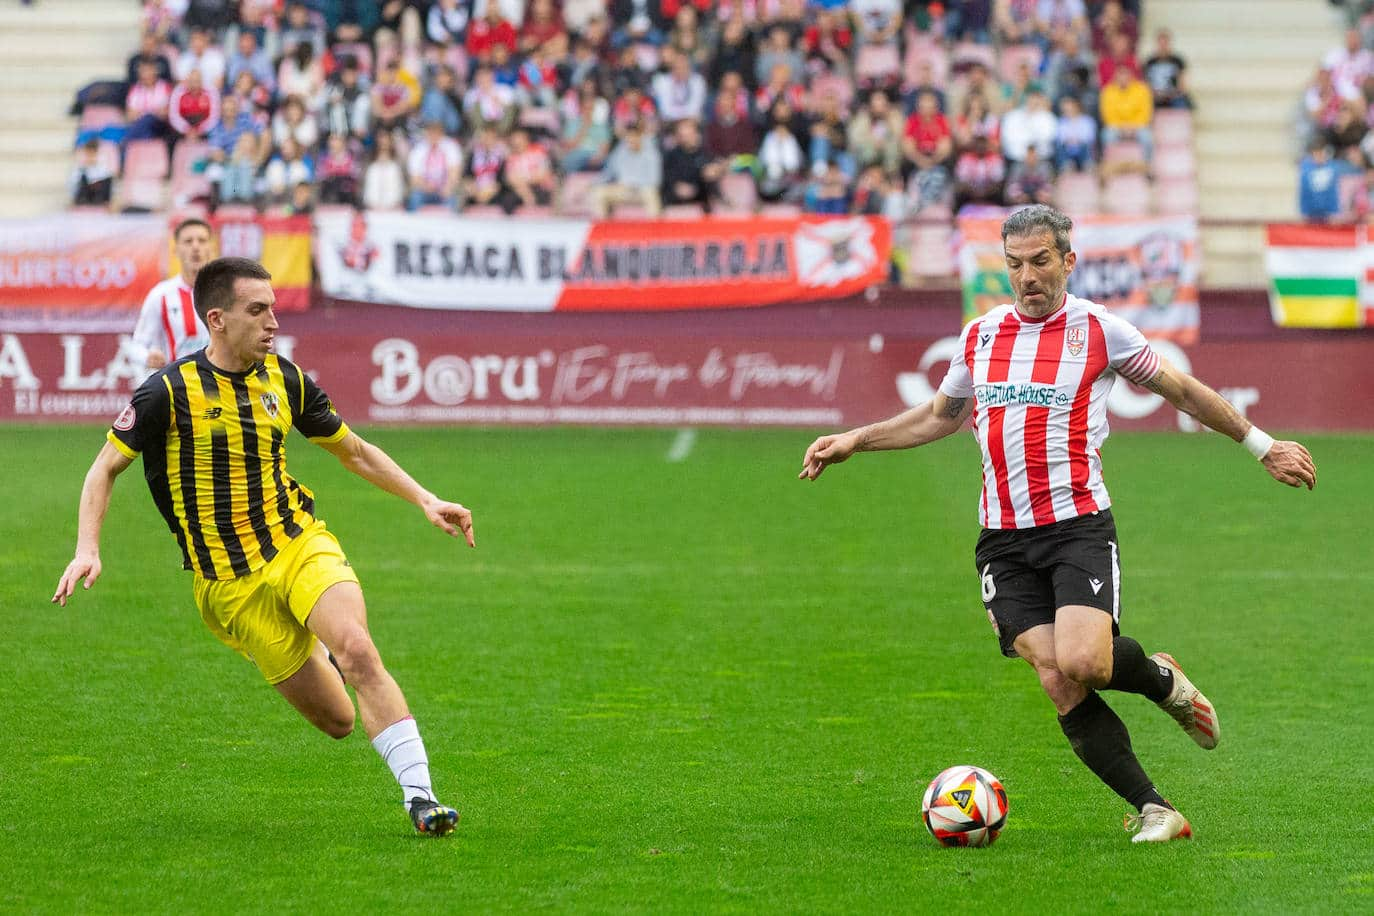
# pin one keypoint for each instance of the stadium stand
(531, 69)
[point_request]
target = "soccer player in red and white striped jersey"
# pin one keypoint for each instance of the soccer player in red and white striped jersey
(168, 327)
(1034, 377)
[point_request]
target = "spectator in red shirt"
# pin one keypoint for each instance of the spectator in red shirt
(1121, 54)
(928, 141)
(827, 43)
(193, 109)
(490, 30)
(541, 25)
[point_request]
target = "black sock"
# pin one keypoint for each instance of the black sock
(1099, 738)
(1134, 673)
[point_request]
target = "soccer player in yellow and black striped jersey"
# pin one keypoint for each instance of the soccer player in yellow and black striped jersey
(270, 581)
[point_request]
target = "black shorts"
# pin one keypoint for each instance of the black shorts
(1028, 573)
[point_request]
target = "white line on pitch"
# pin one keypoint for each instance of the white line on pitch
(682, 445)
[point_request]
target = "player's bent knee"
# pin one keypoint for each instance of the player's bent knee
(337, 729)
(1086, 669)
(358, 658)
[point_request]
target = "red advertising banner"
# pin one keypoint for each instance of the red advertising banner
(423, 376)
(80, 261)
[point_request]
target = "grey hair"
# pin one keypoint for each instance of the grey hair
(1036, 219)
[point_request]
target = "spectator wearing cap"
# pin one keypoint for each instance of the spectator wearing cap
(435, 167)
(633, 174)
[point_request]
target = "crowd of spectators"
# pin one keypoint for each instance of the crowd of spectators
(829, 106)
(1336, 172)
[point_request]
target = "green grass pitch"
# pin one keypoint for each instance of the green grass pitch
(694, 686)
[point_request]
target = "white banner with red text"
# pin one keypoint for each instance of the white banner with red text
(448, 262)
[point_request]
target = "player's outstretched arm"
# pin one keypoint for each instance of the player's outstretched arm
(1287, 462)
(377, 467)
(920, 425)
(95, 501)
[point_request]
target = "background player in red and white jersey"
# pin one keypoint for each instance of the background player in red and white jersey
(1034, 378)
(168, 327)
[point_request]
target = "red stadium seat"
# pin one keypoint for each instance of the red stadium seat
(1123, 153)
(780, 211)
(738, 193)
(1175, 162)
(925, 49)
(143, 193)
(1127, 195)
(683, 212)
(94, 117)
(967, 53)
(877, 64)
(576, 197)
(1076, 193)
(189, 183)
(1173, 127)
(1176, 196)
(145, 159)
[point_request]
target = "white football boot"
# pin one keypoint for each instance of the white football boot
(1187, 705)
(1158, 824)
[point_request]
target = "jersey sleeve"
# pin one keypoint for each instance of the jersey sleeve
(1128, 352)
(317, 419)
(148, 331)
(958, 380)
(145, 420)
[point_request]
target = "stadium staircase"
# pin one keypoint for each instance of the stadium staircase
(1249, 62)
(48, 50)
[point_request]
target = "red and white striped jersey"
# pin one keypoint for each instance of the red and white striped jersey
(168, 321)
(1040, 391)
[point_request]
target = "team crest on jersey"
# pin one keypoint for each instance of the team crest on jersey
(1074, 341)
(269, 404)
(125, 421)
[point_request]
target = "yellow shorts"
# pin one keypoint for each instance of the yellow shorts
(262, 615)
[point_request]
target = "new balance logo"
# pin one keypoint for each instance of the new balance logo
(212, 413)
(1096, 584)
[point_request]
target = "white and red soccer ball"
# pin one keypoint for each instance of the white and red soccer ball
(964, 806)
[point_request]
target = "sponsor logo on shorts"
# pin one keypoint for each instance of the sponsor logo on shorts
(125, 421)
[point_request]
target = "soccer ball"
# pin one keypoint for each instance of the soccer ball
(964, 806)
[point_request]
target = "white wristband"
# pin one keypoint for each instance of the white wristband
(1257, 442)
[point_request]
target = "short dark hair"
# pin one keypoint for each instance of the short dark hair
(1030, 221)
(191, 221)
(215, 283)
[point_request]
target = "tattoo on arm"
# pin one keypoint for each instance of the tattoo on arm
(1156, 382)
(953, 407)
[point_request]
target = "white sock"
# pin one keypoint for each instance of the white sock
(404, 752)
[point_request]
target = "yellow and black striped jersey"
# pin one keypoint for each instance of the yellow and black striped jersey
(214, 455)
